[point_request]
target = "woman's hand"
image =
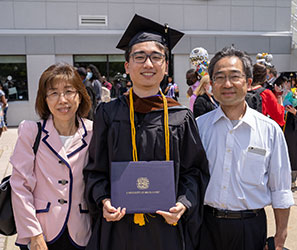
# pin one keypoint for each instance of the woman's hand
(110, 213)
(174, 214)
(38, 243)
(291, 109)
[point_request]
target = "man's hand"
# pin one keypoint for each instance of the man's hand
(38, 243)
(110, 213)
(174, 214)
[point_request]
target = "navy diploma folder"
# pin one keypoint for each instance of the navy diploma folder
(143, 186)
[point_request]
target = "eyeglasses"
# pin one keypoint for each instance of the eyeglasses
(233, 78)
(141, 57)
(55, 95)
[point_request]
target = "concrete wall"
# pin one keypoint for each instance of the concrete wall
(243, 15)
(48, 31)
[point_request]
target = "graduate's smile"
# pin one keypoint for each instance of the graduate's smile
(148, 73)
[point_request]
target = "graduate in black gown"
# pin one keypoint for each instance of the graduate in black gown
(145, 43)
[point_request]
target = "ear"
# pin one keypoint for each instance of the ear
(166, 69)
(249, 82)
(127, 67)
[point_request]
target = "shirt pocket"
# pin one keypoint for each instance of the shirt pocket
(253, 168)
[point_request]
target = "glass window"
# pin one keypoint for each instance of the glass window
(13, 76)
(108, 65)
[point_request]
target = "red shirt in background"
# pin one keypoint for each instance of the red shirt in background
(271, 108)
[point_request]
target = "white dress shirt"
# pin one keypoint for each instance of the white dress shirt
(248, 163)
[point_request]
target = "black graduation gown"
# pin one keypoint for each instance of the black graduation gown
(291, 138)
(112, 142)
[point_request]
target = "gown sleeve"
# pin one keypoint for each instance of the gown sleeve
(194, 178)
(96, 172)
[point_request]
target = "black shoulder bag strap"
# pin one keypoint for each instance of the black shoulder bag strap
(37, 139)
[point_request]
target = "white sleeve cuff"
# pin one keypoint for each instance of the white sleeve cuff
(282, 199)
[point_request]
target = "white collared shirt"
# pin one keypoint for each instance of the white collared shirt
(248, 163)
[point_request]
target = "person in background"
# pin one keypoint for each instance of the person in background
(193, 82)
(271, 105)
(2, 123)
(171, 89)
(290, 127)
(248, 162)
(105, 95)
(94, 76)
(281, 87)
(3, 104)
(290, 130)
(293, 81)
(205, 101)
(106, 84)
(48, 188)
(146, 55)
(91, 91)
(270, 77)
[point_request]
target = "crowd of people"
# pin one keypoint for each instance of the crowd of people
(228, 161)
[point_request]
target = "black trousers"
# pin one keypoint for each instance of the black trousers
(63, 243)
(233, 234)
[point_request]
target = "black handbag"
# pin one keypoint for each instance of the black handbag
(7, 223)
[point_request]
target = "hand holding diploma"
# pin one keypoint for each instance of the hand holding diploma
(111, 213)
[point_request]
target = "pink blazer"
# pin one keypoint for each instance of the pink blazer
(48, 195)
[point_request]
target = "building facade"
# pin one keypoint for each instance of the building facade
(37, 33)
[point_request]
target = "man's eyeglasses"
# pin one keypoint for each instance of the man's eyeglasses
(55, 95)
(233, 78)
(141, 57)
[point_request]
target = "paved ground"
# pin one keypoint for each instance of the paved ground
(7, 142)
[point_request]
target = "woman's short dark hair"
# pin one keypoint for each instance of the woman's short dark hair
(230, 52)
(56, 73)
(159, 45)
(259, 74)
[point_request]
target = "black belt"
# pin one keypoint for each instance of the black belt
(228, 214)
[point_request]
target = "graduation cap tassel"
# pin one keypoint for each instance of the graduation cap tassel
(168, 40)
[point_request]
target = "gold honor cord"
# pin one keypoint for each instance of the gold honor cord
(284, 127)
(139, 218)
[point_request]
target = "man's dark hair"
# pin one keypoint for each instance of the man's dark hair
(159, 45)
(82, 71)
(193, 71)
(230, 52)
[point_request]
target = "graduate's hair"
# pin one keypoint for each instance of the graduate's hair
(159, 45)
(61, 72)
(231, 52)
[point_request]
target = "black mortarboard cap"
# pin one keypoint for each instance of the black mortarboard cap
(142, 29)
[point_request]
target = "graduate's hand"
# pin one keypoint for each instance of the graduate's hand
(174, 214)
(110, 213)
